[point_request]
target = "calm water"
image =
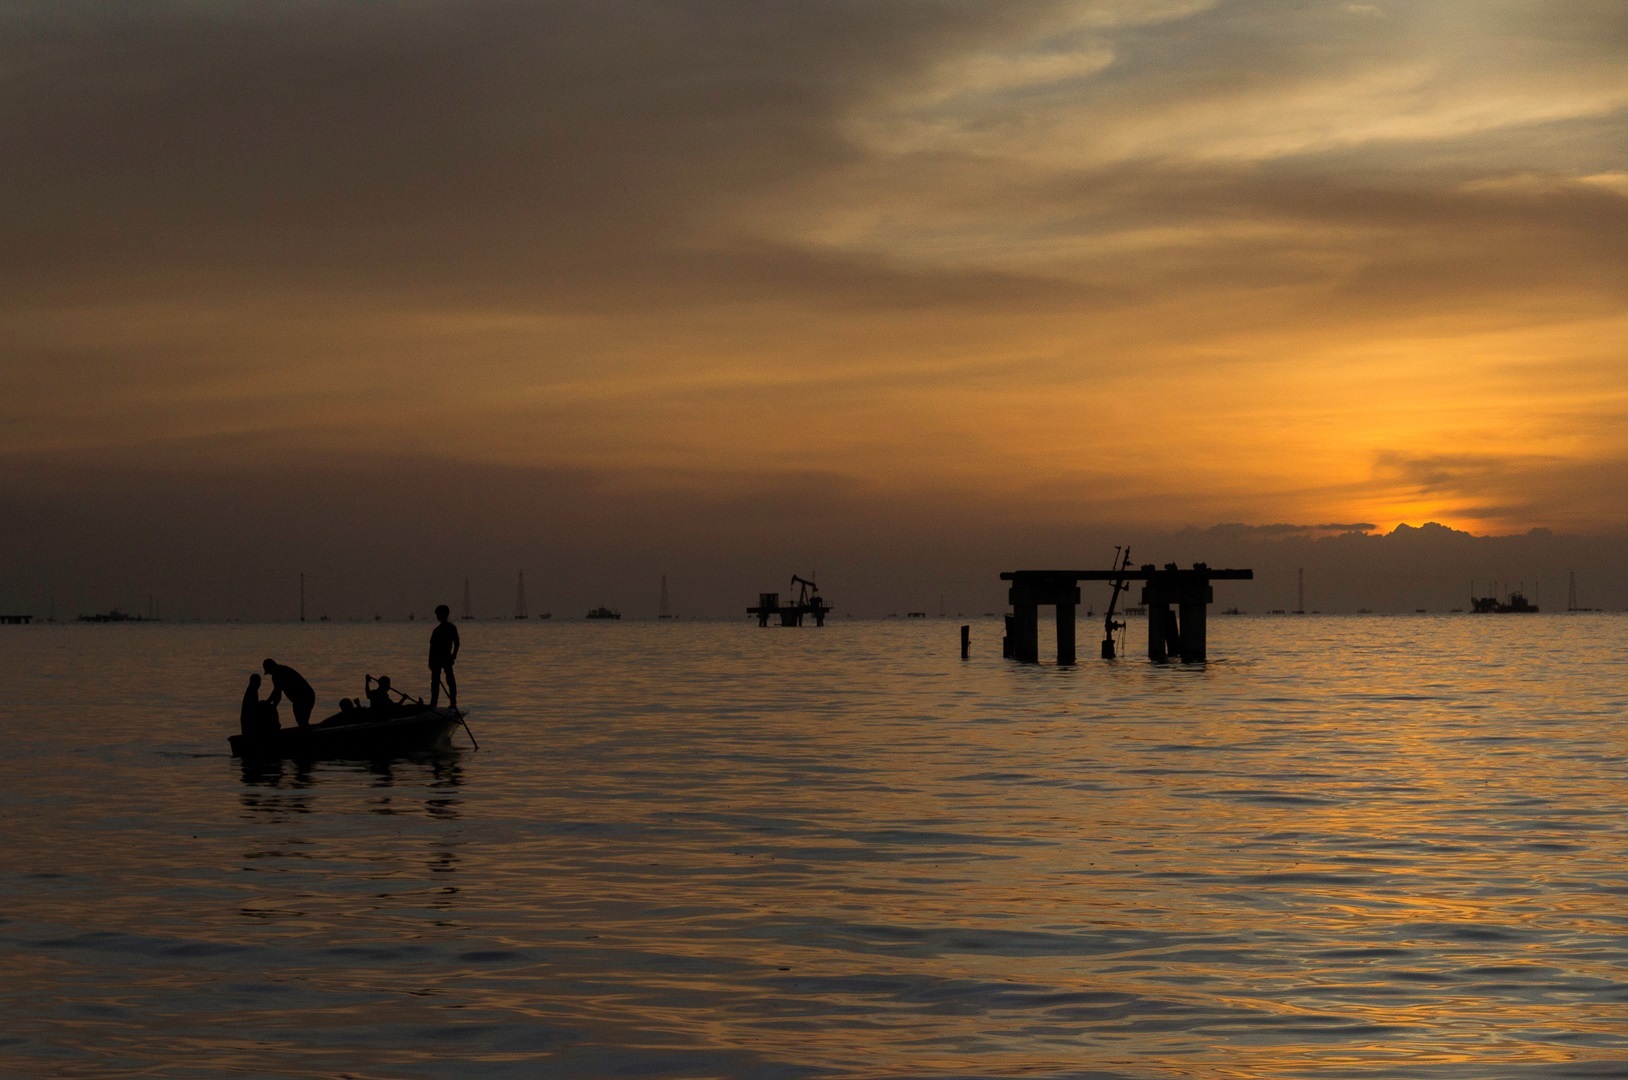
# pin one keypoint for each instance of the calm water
(1386, 847)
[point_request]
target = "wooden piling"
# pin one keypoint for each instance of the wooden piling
(966, 641)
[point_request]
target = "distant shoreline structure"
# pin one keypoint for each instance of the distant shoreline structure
(117, 616)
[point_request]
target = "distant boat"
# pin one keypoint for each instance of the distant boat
(604, 613)
(1490, 605)
(425, 730)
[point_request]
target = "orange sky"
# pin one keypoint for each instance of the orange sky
(1163, 262)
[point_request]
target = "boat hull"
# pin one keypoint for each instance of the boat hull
(419, 732)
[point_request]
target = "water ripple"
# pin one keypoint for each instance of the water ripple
(709, 850)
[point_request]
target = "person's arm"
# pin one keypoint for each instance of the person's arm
(455, 642)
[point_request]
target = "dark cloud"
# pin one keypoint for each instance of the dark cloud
(1241, 531)
(424, 143)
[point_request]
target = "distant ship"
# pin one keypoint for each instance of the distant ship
(604, 613)
(1489, 605)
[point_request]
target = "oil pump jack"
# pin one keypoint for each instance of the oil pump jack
(808, 602)
(1122, 562)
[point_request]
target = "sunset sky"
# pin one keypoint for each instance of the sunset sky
(1101, 264)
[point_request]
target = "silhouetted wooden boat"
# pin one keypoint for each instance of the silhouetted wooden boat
(415, 732)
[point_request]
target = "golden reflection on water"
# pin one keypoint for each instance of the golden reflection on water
(1384, 847)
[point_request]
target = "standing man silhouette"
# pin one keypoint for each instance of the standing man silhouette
(290, 684)
(443, 651)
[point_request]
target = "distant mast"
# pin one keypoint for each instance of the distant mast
(520, 597)
(1300, 593)
(469, 612)
(664, 610)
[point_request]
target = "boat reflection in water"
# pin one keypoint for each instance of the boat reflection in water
(437, 769)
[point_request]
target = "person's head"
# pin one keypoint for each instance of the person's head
(268, 665)
(384, 682)
(442, 611)
(254, 682)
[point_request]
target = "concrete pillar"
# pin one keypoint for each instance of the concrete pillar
(1158, 614)
(1026, 631)
(1065, 633)
(1193, 631)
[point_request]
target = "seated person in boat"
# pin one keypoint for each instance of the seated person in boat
(257, 719)
(350, 712)
(381, 706)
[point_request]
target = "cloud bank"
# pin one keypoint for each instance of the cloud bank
(1060, 265)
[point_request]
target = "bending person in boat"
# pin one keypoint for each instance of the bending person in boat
(257, 719)
(443, 652)
(286, 682)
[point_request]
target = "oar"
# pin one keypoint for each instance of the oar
(406, 697)
(439, 684)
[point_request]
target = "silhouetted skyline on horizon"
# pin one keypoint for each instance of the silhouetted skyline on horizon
(202, 563)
